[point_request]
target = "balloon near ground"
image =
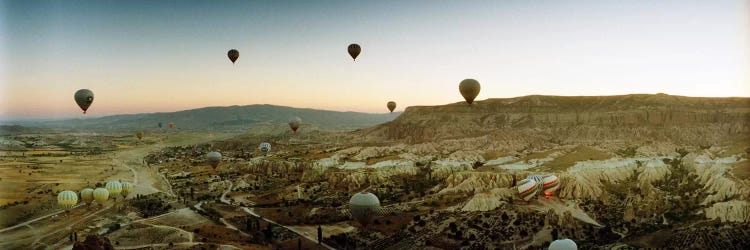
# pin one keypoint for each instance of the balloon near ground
(67, 199)
(527, 188)
(265, 147)
(84, 98)
(139, 135)
(233, 54)
(101, 195)
(469, 89)
(87, 195)
(354, 50)
(391, 106)
(213, 158)
(114, 188)
(294, 123)
(549, 185)
(171, 125)
(127, 188)
(363, 207)
(564, 244)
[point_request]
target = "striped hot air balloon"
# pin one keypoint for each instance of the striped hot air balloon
(101, 195)
(549, 185)
(114, 188)
(265, 147)
(67, 199)
(527, 188)
(87, 195)
(127, 188)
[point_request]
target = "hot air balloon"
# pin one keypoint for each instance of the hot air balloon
(363, 206)
(233, 54)
(549, 185)
(564, 244)
(527, 188)
(127, 188)
(171, 125)
(114, 188)
(294, 123)
(84, 98)
(391, 106)
(101, 195)
(67, 199)
(139, 135)
(87, 195)
(265, 147)
(213, 158)
(354, 50)
(160, 125)
(469, 89)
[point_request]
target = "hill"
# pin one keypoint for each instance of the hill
(574, 117)
(223, 118)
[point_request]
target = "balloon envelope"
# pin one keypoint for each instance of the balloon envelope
(265, 147)
(114, 188)
(171, 125)
(101, 195)
(391, 106)
(213, 158)
(564, 244)
(363, 207)
(233, 54)
(87, 195)
(527, 188)
(354, 50)
(139, 135)
(294, 123)
(84, 98)
(550, 184)
(469, 89)
(67, 199)
(127, 188)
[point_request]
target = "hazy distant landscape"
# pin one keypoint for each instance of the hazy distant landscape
(636, 171)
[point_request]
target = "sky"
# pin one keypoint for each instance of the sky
(162, 56)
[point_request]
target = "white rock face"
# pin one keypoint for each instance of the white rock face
(713, 174)
(730, 211)
(476, 182)
(584, 179)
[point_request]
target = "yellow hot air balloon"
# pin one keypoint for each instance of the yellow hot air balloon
(87, 195)
(101, 195)
(139, 135)
(67, 199)
(127, 189)
(469, 89)
(114, 188)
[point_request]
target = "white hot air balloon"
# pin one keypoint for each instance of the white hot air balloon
(527, 188)
(364, 206)
(265, 147)
(550, 184)
(564, 244)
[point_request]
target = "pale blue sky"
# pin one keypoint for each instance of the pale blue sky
(148, 56)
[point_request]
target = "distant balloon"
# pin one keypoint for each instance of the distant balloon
(84, 98)
(139, 135)
(265, 147)
(469, 89)
(354, 50)
(160, 125)
(171, 125)
(527, 188)
(550, 184)
(213, 158)
(233, 54)
(391, 106)
(564, 244)
(67, 199)
(294, 123)
(127, 188)
(87, 195)
(363, 207)
(101, 195)
(114, 188)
